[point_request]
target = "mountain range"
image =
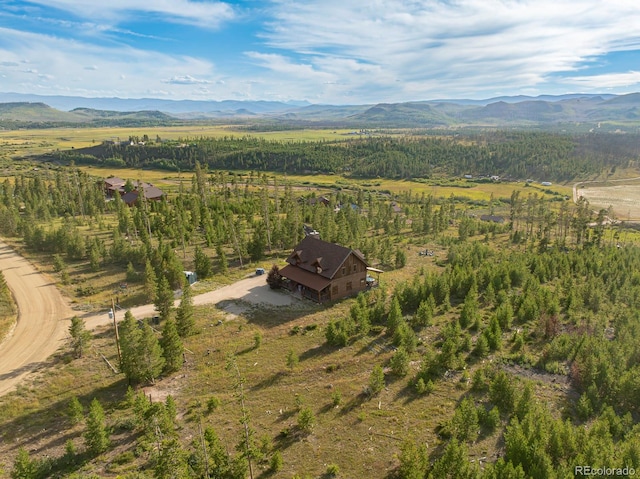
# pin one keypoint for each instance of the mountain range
(588, 110)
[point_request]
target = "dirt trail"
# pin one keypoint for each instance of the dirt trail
(42, 320)
(43, 314)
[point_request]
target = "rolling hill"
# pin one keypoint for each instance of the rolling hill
(585, 111)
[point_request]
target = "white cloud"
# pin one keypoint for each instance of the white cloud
(114, 70)
(185, 80)
(608, 80)
(432, 48)
(206, 13)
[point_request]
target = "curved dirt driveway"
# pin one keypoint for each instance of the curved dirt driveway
(41, 326)
(43, 314)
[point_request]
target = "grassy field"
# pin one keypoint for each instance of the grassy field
(18, 143)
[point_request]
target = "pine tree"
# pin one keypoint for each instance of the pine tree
(24, 467)
(80, 337)
(424, 314)
(75, 411)
(469, 309)
(414, 461)
(152, 359)
(222, 259)
(257, 244)
(96, 435)
(376, 381)
(400, 362)
(164, 298)
(130, 339)
(150, 281)
(395, 317)
(132, 274)
(171, 461)
(172, 348)
(202, 264)
(185, 322)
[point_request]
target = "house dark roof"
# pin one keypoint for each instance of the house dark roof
(492, 218)
(310, 280)
(320, 257)
(150, 193)
(130, 198)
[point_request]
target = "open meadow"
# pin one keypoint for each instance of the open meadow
(19, 143)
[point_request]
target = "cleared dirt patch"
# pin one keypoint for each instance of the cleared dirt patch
(624, 198)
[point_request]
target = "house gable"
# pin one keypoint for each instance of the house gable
(321, 257)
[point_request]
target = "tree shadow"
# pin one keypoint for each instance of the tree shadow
(354, 403)
(326, 408)
(269, 381)
(318, 351)
(271, 317)
(376, 346)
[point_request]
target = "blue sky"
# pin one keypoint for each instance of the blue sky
(322, 51)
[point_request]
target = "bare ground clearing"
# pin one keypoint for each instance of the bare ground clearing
(623, 198)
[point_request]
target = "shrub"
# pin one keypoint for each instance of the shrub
(274, 278)
(213, 403)
(306, 420)
(276, 462)
(257, 339)
(423, 387)
(333, 470)
(292, 359)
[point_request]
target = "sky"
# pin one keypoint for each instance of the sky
(322, 51)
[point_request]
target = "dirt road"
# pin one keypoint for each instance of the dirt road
(42, 320)
(43, 314)
(253, 290)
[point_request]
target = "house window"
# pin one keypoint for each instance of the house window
(344, 271)
(355, 267)
(349, 286)
(334, 290)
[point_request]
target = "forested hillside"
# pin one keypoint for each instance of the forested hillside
(516, 155)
